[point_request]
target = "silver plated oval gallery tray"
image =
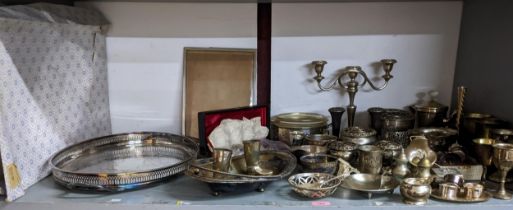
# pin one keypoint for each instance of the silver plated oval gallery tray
(122, 161)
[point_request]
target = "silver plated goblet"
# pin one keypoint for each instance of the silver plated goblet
(503, 160)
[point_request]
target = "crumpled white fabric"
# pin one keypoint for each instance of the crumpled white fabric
(231, 132)
(53, 87)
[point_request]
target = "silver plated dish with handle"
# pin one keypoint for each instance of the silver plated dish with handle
(122, 161)
(237, 179)
(370, 183)
(280, 163)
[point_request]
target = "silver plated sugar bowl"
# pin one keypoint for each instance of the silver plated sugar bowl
(415, 191)
(357, 135)
(430, 113)
(345, 150)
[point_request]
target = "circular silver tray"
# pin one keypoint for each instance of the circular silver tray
(122, 161)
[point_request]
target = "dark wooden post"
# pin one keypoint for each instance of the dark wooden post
(264, 54)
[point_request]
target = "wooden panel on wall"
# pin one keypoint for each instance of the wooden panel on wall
(484, 57)
(264, 23)
(216, 79)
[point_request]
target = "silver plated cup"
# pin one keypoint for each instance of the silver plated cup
(370, 159)
(222, 160)
(472, 190)
(456, 179)
(448, 190)
(252, 157)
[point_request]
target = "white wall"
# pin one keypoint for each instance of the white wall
(145, 80)
(145, 49)
(145, 55)
(422, 36)
(199, 20)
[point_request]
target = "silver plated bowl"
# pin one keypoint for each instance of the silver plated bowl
(299, 151)
(314, 185)
(439, 139)
(122, 161)
(345, 150)
(319, 163)
(319, 139)
(370, 183)
(360, 136)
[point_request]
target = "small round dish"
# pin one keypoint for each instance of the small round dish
(319, 163)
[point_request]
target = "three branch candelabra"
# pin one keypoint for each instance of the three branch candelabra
(351, 86)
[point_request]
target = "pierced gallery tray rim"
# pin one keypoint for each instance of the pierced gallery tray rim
(155, 148)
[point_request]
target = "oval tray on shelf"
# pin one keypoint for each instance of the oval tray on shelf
(122, 161)
(485, 196)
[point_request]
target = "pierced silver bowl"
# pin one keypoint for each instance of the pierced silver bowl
(314, 185)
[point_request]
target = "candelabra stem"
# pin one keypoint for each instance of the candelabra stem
(352, 88)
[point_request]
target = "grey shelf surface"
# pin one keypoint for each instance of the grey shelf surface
(185, 193)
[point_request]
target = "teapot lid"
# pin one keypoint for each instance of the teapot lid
(432, 105)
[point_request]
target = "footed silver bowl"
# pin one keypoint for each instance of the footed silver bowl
(314, 185)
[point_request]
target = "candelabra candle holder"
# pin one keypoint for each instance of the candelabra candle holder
(351, 86)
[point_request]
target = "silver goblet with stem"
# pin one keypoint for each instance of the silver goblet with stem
(483, 148)
(503, 160)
